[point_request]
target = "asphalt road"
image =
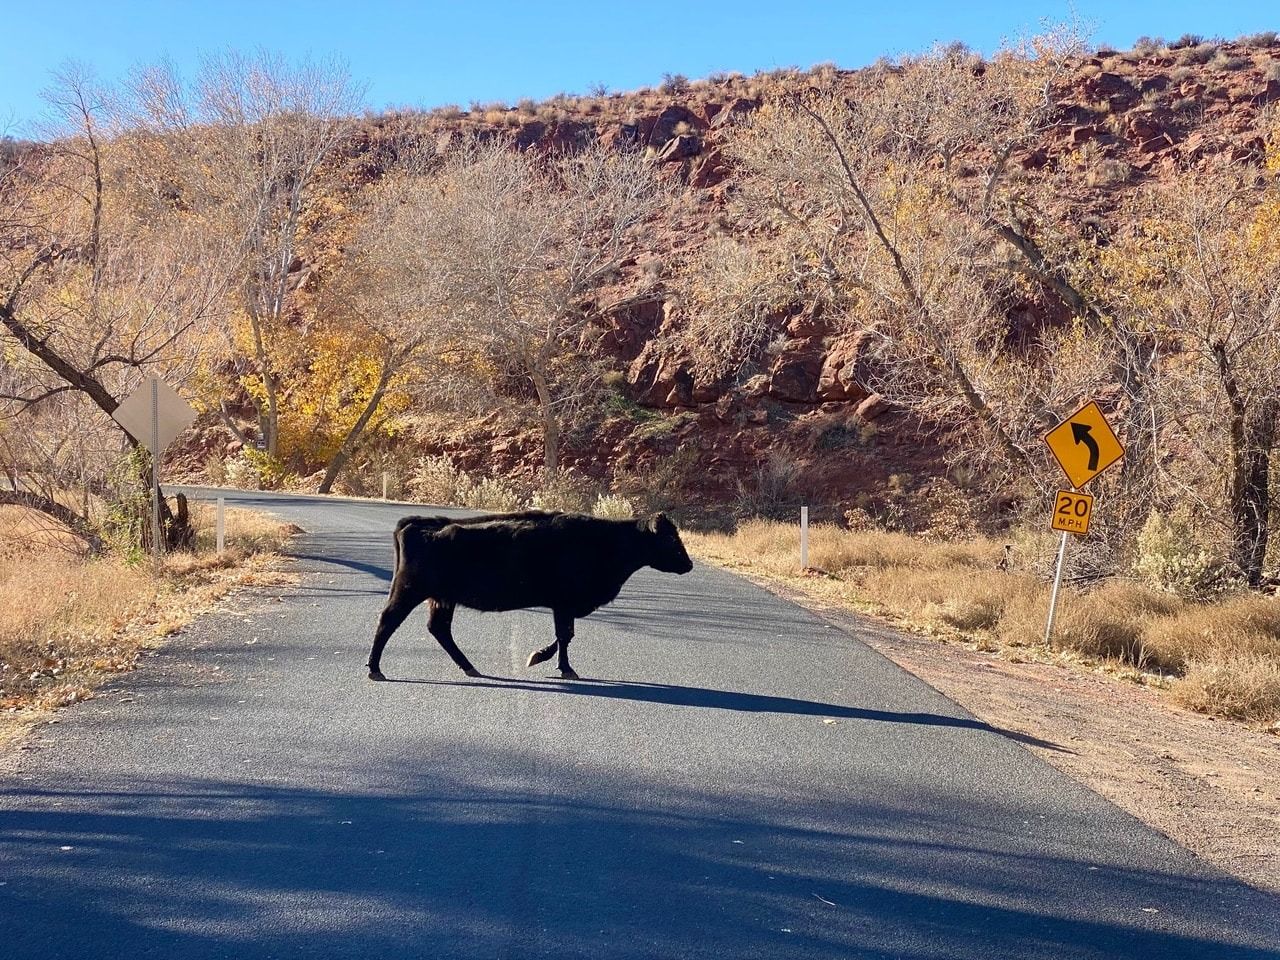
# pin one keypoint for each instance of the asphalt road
(740, 780)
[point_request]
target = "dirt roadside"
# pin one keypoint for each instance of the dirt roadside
(1212, 786)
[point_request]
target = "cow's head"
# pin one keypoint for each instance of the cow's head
(666, 552)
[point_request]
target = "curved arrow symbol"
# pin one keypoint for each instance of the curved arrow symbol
(1081, 433)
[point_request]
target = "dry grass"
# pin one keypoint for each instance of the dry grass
(59, 614)
(1222, 658)
(772, 546)
(67, 622)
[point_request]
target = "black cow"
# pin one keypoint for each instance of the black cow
(571, 563)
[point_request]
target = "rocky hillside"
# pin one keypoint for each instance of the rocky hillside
(803, 423)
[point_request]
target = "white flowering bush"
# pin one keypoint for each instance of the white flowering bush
(1172, 557)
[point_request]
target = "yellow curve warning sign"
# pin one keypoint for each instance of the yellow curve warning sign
(1084, 444)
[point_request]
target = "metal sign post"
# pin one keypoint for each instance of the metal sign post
(1057, 584)
(1084, 445)
(157, 539)
(154, 415)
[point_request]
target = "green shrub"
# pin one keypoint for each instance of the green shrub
(611, 506)
(674, 83)
(253, 469)
(437, 480)
(1148, 46)
(567, 492)
(492, 493)
(1172, 558)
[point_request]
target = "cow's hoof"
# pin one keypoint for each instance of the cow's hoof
(569, 675)
(472, 672)
(376, 675)
(538, 656)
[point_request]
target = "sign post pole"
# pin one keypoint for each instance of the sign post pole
(154, 415)
(1057, 583)
(1084, 445)
(158, 541)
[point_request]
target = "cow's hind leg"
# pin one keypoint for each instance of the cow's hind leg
(440, 624)
(564, 628)
(564, 633)
(400, 604)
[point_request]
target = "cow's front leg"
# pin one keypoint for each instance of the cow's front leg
(564, 633)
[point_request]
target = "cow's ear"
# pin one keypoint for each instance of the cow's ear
(660, 523)
(651, 522)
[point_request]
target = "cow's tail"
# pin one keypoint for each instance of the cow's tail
(395, 540)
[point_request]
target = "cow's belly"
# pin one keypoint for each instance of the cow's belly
(519, 592)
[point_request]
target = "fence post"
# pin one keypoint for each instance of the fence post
(804, 538)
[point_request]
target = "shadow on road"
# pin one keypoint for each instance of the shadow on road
(437, 864)
(680, 696)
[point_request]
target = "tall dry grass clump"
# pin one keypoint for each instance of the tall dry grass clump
(774, 546)
(56, 610)
(64, 617)
(1228, 655)
(1107, 622)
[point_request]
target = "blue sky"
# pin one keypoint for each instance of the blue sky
(426, 54)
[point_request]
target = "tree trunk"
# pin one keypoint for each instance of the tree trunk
(175, 529)
(550, 425)
(77, 524)
(268, 421)
(1252, 441)
(352, 440)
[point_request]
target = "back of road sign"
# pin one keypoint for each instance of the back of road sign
(154, 414)
(1084, 444)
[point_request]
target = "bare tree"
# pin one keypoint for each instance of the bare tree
(888, 228)
(96, 290)
(1198, 271)
(895, 205)
(251, 139)
(512, 256)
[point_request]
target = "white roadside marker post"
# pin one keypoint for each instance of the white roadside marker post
(222, 524)
(384, 484)
(804, 538)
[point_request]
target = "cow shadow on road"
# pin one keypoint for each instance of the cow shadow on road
(681, 696)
